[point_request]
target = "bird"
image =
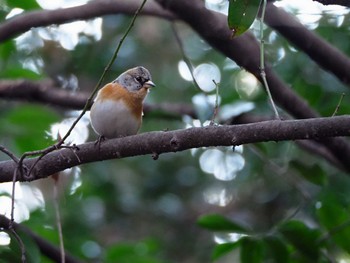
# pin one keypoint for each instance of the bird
(118, 107)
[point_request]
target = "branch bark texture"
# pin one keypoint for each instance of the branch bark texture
(334, 2)
(156, 143)
(311, 44)
(24, 22)
(45, 247)
(43, 92)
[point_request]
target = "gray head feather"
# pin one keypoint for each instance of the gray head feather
(135, 78)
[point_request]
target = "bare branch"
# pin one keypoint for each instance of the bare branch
(9, 154)
(334, 2)
(313, 147)
(42, 91)
(24, 22)
(180, 140)
(314, 46)
(45, 247)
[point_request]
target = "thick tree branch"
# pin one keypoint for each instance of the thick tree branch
(46, 92)
(334, 2)
(45, 247)
(156, 143)
(24, 22)
(315, 47)
(244, 50)
(313, 147)
(42, 91)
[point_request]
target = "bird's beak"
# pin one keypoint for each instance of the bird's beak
(149, 84)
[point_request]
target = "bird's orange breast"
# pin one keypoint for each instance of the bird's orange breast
(133, 100)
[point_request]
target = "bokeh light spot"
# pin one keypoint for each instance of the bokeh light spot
(205, 74)
(247, 86)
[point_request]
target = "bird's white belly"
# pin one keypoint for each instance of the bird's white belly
(113, 119)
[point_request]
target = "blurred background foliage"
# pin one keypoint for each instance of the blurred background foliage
(278, 203)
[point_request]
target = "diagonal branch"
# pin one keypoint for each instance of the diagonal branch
(334, 2)
(24, 22)
(311, 44)
(45, 247)
(156, 143)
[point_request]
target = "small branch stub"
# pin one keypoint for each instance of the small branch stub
(155, 156)
(174, 143)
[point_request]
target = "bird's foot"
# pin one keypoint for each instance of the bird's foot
(100, 139)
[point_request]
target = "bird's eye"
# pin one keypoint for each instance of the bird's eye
(139, 79)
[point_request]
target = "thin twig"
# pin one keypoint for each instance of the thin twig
(334, 231)
(11, 225)
(58, 218)
(20, 242)
(184, 56)
(338, 105)
(216, 107)
(9, 153)
(262, 62)
(47, 249)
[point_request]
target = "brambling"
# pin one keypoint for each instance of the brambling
(117, 109)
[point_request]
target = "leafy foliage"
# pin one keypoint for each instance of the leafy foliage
(241, 15)
(26, 5)
(220, 223)
(29, 124)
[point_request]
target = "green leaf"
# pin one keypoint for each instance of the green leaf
(223, 249)
(312, 173)
(6, 49)
(251, 250)
(24, 4)
(216, 222)
(304, 239)
(32, 249)
(241, 15)
(335, 218)
(277, 249)
(9, 253)
(27, 126)
(32, 253)
(139, 252)
(15, 73)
